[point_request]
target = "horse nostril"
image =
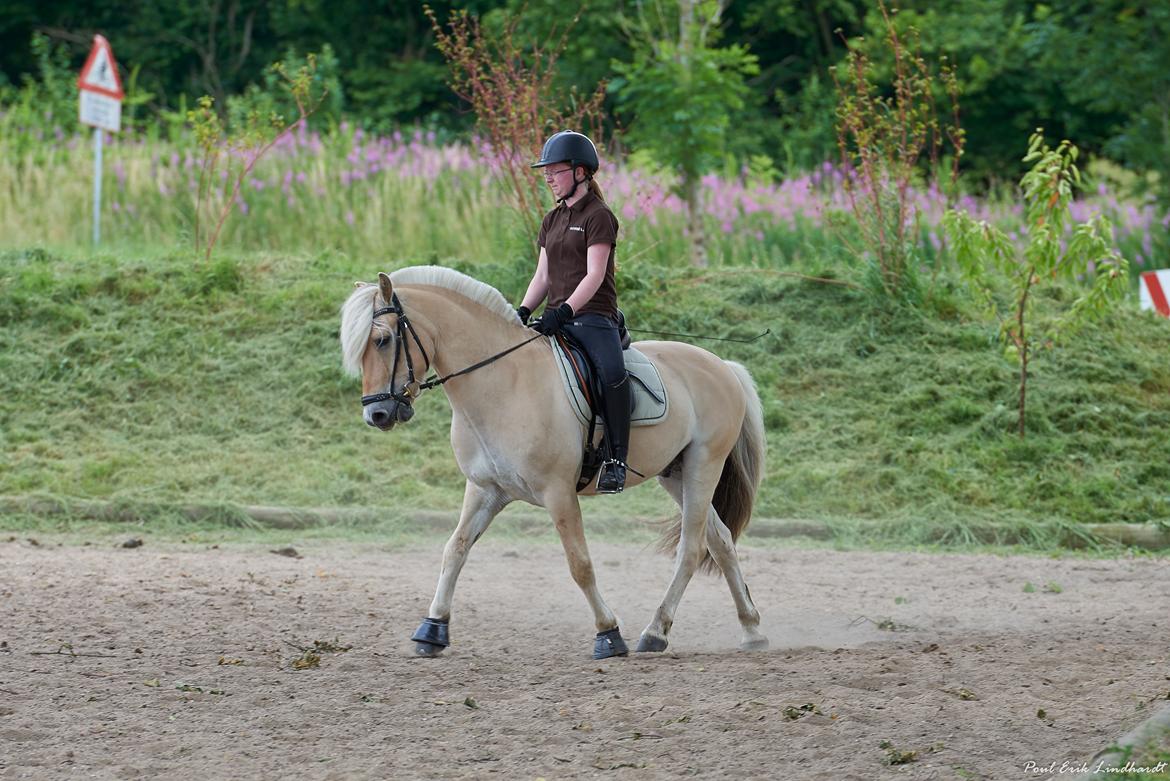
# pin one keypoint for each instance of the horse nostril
(379, 418)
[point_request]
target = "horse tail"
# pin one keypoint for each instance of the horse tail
(735, 495)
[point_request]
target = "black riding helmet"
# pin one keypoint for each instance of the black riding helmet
(569, 146)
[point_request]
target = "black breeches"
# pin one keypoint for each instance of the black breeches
(598, 336)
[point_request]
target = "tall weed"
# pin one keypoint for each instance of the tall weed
(882, 139)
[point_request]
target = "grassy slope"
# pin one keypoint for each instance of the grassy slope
(150, 377)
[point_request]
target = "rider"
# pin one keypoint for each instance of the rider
(575, 271)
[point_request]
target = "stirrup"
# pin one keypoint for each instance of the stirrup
(620, 478)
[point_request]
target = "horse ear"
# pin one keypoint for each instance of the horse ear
(384, 286)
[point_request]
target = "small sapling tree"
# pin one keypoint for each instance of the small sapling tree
(240, 149)
(1055, 249)
(510, 89)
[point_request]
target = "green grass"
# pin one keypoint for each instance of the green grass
(147, 377)
(1153, 757)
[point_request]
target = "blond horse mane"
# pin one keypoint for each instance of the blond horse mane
(358, 310)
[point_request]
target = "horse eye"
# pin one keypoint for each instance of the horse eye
(382, 341)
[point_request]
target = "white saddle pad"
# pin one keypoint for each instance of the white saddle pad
(650, 402)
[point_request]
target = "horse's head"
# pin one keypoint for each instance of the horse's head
(380, 343)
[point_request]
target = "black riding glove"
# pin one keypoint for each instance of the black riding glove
(551, 320)
(524, 313)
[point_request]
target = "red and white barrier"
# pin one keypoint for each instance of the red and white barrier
(1155, 286)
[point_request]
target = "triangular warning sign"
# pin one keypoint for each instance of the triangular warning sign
(100, 73)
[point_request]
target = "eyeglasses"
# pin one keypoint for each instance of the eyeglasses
(550, 175)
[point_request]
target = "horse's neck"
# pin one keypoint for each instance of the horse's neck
(463, 334)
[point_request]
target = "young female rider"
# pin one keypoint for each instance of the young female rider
(575, 271)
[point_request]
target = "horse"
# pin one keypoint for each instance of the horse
(516, 438)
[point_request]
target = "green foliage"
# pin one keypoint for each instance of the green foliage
(789, 110)
(510, 91)
(391, 73)
(135, 100)
(1094, 71)
(1111, 58)
(595, 37)
(680, 92)
(278, 97)
(882, 139)
(136, 377)
(44, 104)
(987, 258)
(1003, 93)
(1148, 760)
(808, 134)
(255, 128)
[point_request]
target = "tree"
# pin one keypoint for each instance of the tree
(986, 257)
(680, 91)
(1007, 74)
(789, 111)
(509, 89)
(1111, 57)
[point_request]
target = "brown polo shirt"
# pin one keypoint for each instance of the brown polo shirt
(566, 233)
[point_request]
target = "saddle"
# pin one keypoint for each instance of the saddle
(647, 393)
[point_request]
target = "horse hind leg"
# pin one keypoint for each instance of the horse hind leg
(481, 504)
(693, 492)
(722, 549)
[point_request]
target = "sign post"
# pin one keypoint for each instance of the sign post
(101, 108)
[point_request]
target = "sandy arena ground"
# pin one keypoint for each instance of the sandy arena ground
(176, 662)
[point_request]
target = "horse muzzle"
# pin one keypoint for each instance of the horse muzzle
(384, 414)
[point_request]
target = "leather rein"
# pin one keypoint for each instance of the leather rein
(412, 388)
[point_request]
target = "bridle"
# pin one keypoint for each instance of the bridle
(412, 388)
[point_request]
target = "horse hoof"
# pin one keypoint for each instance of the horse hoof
(609, 644)
(755, 644)
(431, 632)
(651, 643)
(427, 650)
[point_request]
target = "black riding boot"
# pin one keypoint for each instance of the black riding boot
(612, 478)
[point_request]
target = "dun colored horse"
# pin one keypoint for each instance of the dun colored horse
(516, 437)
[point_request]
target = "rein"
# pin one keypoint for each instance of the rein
(412, 388)
(436, 380)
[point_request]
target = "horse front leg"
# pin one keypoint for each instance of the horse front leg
(566, 514)
(481, 504)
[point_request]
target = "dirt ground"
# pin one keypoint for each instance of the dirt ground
(177, 662)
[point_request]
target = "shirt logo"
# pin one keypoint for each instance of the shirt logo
(576, 228)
